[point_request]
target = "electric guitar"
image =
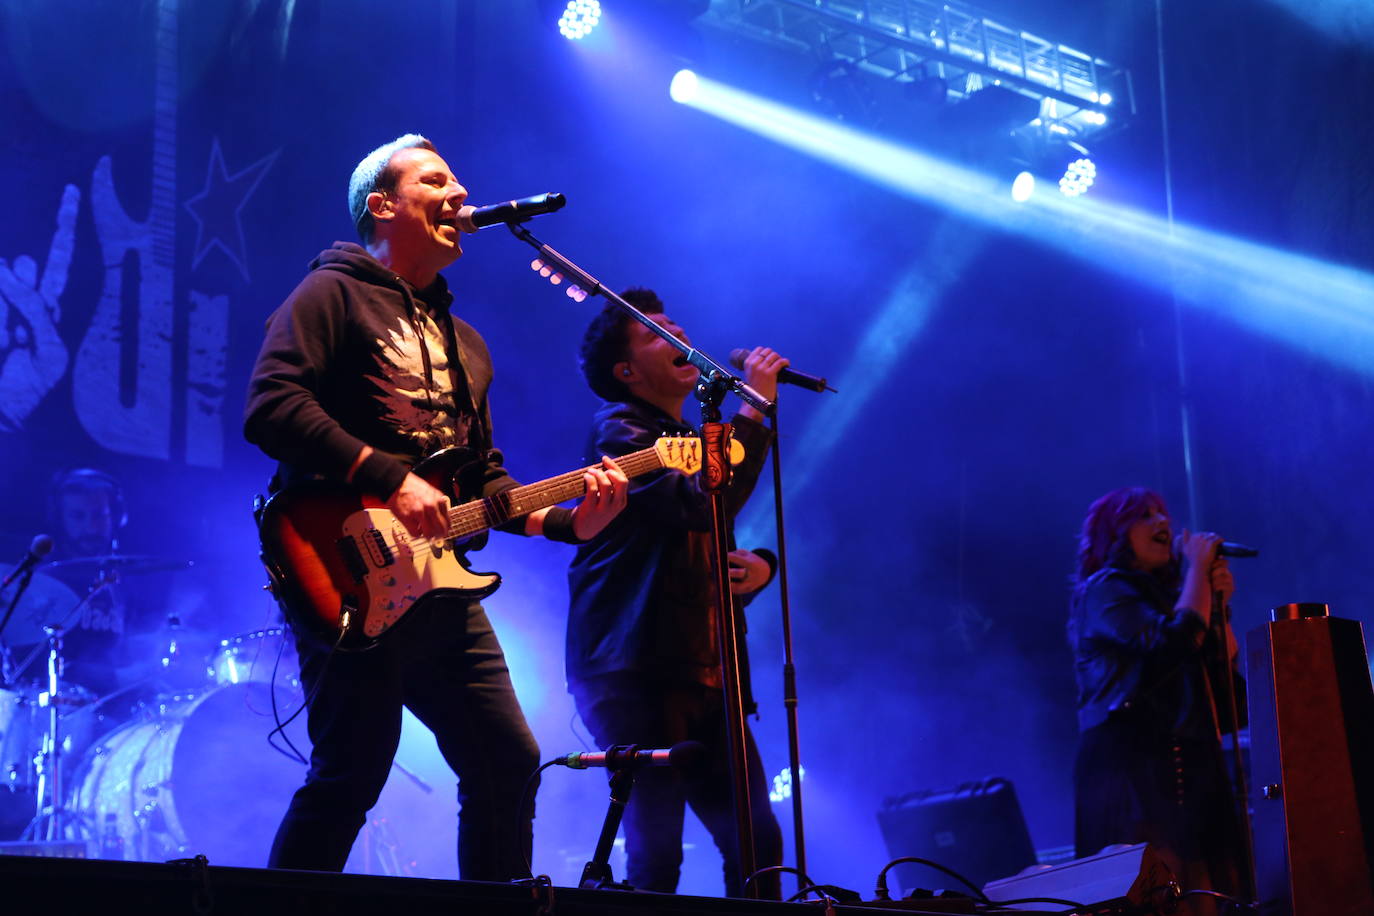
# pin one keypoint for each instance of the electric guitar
(346, 569)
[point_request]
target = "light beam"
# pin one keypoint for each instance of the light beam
(1322, 308)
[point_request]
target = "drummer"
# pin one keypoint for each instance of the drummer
(86, 512)
(74, 590)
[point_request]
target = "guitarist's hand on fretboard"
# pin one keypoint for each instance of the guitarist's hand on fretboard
(421, 507)
(607, 492)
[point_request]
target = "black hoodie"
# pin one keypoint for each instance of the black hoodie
(356, 355)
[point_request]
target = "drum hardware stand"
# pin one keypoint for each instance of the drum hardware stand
(50, 796)
(7, 671)
(52, 812)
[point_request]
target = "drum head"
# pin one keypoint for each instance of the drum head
(195, 776)
(232, 786)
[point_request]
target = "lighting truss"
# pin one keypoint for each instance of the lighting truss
(906, 41)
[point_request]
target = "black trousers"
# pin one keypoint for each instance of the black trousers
(444, 664)
(626, 708)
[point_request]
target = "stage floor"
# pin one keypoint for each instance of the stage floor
(62, 885)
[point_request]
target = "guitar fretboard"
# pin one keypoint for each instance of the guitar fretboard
(480, 514)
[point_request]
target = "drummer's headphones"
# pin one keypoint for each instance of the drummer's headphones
(88, 479)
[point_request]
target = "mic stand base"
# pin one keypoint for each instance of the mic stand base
(596, 874)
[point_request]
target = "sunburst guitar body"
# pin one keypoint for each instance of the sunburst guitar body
(346, 569)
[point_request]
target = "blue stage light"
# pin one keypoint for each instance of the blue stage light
(683, 88)
(1079, 175)
(579, 18)
(1022, 187)
(1319, 307)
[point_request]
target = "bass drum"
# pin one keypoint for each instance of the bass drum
(194, 776)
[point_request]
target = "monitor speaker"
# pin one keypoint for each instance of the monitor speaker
(975, 829)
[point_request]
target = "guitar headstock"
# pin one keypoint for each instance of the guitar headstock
(683, 453)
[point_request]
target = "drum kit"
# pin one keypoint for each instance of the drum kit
(168, 765)
(200, 756)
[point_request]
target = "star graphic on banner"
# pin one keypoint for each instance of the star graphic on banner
(216, 208)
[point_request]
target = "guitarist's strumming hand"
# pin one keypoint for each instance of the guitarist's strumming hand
(607, 492)
(421, 507)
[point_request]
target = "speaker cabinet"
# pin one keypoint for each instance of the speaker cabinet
(1312, 753)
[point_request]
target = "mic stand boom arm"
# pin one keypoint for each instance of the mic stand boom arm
(586, 283)
(715, 437)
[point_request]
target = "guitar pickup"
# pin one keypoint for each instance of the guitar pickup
(352, 558)
(379, 550)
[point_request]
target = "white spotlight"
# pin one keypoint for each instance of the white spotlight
(1079, 175)
(1022, 187)
(683, 88)
(579, 18)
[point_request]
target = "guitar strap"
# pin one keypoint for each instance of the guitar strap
(479, 436)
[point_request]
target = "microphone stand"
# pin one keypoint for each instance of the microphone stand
(14, 599)
(715, 383)
(789, 670)
(596, 874)
(1222, 671)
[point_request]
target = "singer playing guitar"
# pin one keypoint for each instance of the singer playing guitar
(364, 372)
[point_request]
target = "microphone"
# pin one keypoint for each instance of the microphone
(470, 218)
(1232, 549)
(38, 549)
(684, 754)
(789, 376)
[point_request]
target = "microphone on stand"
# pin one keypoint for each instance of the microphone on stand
(40, 547)
(471, 218)
(788, 376)
(684, 754)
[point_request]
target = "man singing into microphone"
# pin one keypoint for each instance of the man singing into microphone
(642, 659)
(362, 373)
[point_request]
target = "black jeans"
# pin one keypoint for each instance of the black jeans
(444, 664)
(626, 708)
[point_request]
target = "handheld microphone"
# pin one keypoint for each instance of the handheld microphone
(470, 218)
(40, 547)
(789, 376)
(684, 754)
(1232, 549)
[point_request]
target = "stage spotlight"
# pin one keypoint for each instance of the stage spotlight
(1022, 187)
(579, 18)
(1079, 175)
(683, 88)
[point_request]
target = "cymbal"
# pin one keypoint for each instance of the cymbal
(129, 564)
(45, 601)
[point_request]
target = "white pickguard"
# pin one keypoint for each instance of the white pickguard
(402, 569)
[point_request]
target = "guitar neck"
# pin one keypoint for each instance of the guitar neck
(478, 515)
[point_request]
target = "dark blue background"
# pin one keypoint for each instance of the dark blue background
(931, 542)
